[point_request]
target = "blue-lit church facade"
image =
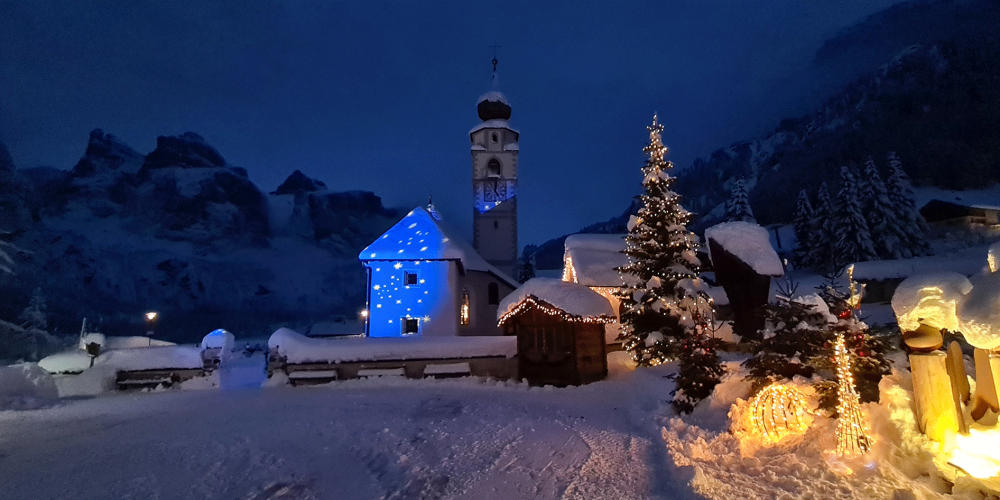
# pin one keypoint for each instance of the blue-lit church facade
(424, 280)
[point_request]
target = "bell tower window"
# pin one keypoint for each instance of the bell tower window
(493, 168)
(494, 137)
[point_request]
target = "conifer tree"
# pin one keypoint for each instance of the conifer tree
(700, 368)
(911, 223)
(853, 243)
(803, 230)
(661, 253)
(822, 238)
(738, 206)
(526, 264)
(887, 237)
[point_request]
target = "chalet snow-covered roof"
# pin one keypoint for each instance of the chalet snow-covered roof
(494, 123)
(421, 236)
(572, 298)
(748, 242)
(594, 257)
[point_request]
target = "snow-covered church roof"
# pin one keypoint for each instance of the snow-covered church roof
(574, 299)
(592, 258)
(748, 242)
(422, 236)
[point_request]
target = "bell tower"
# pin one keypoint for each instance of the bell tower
(494, 181)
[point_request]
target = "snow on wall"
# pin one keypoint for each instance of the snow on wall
(979, 312)
(130, 342)
(74, 361)
(495, 123)
(894, 269)
(152, 358)
(750, 243)
(929, 298)
(573, 298)
(298, 348)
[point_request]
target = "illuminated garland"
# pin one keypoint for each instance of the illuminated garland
(541, 305)
(777, 411)
(852, 435)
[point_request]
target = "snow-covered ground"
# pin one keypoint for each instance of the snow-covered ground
(356, 439)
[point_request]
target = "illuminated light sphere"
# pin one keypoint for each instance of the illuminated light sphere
(778, 411)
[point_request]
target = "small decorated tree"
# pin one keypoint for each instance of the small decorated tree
(700, 368)
(661, 253)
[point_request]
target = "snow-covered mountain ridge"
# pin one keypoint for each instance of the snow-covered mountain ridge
(182, 232)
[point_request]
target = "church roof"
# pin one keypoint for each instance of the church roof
(493, 124)
(422, 236)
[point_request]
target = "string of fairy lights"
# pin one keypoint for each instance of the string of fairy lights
(777, 411)
(532, 301)
(852, 435)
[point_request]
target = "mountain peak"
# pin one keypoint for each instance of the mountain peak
(188, 150)
(299, 182)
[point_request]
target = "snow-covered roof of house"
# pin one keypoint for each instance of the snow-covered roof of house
(494, 123)
(572, 298)
(421, 236)
(748, 242)
(594, 258)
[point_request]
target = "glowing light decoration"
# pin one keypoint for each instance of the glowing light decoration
(852, 432)
(778, 411)
(541, 305)
(977, 453)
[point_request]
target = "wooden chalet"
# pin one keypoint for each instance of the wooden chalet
(560, 331)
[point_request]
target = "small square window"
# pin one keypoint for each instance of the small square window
(410, 278)
(411, 326)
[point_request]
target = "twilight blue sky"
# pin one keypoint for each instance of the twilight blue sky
(380, 95)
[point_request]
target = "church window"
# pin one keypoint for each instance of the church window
(411, 326)
(410, 278)
(496, 224)
(494, 137)
(465, 307)
(493, 168)
(493, 293)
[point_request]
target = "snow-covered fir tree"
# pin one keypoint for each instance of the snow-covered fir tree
(738, 206)
(853, 240)
(883, 223)
(661, 253)
(699, 369)
(822, 236)
(911, 223)
(803, 225)
(34, 316)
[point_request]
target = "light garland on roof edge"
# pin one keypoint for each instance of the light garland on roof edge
(532, 301)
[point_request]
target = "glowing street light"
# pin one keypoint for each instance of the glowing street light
(150, 325)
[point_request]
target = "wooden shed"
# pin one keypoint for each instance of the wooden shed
(560, 331)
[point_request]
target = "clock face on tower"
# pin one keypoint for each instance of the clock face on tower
(492, 192)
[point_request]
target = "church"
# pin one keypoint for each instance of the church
(425, 279)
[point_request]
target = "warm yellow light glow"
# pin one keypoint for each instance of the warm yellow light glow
(151, 316)
(778, 411)
(852, 434)
(978, 454)
(364, 313)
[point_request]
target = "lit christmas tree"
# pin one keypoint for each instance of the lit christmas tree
(661, 252)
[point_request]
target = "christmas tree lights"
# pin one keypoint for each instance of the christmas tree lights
(852, 434)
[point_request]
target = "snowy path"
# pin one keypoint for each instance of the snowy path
(362, 439)
(243, 372)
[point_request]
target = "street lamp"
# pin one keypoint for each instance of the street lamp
(150, 325)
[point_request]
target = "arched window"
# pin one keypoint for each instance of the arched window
(493, 293)
(493, 168)
(464, 314)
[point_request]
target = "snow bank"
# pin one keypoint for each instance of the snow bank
(93, 381)
(26, 386)
(298, 348)
(218, 339)
(930, 298)
(573, 298)
(750, 243)
(979, 313)
(152, 358)
(131, 342)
